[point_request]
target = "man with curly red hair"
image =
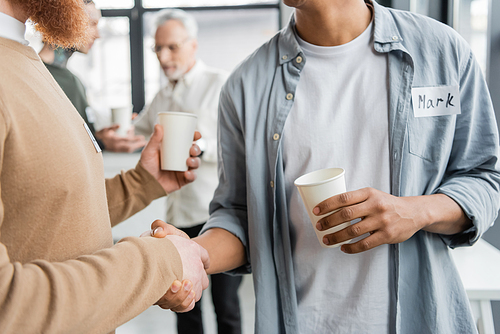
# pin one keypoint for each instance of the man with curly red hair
(63, 23)
(59, 270)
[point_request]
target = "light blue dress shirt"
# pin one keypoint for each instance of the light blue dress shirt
(456, 155)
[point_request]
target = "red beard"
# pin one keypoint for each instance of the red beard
(61, 22)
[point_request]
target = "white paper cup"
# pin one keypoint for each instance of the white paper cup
(178, 133)
(314, 188)
(123, 117)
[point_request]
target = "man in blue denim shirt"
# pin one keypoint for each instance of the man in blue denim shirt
(442, 183)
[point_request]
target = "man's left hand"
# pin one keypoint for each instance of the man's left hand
(170, 180)
(388, 219)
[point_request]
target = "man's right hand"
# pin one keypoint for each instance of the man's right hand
(195, 261)
(226, 250)
(180, 297)
(160, 229)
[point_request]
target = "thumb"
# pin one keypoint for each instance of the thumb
(160, 229)
(204, 258)
(155, 140)
(157, 135)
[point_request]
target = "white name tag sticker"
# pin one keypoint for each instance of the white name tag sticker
(96, 145)
(435, 101)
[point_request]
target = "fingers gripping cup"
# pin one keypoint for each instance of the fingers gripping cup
(314, 188)
(178, 133)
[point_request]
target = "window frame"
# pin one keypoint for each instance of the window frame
(493, 55)
(136, 21)
(442, 10)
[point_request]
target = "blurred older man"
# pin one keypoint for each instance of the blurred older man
(192, 87)
(60, 272)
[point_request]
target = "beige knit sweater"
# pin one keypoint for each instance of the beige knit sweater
(59, 272)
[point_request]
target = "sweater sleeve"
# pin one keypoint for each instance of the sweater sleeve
(91, 294)
(130, 192)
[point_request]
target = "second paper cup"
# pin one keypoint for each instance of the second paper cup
(178, 133)
(317, 186)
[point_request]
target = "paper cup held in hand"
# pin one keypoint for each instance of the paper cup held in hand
(178, 133)
(123, 117)
(317, 186)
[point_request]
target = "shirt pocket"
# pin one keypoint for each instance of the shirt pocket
(431, 138)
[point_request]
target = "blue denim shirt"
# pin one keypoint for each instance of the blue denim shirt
(455, 155)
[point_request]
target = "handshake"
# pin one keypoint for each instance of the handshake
(181, 296)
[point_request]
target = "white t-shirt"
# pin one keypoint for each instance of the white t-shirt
(339, 119)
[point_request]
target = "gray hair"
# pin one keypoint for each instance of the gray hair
(186, 19)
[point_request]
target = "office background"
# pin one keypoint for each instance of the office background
(121, 69)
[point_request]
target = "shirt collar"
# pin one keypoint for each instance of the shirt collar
(288, 46)
(188, 78)
(12, 28)
(386, 34)
(386, 31)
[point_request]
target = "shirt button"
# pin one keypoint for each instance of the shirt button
(395, 38)
(289, 96)
(299, 59)
(285, 57)
(395, 155)
(272, 184)
(276, 136)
